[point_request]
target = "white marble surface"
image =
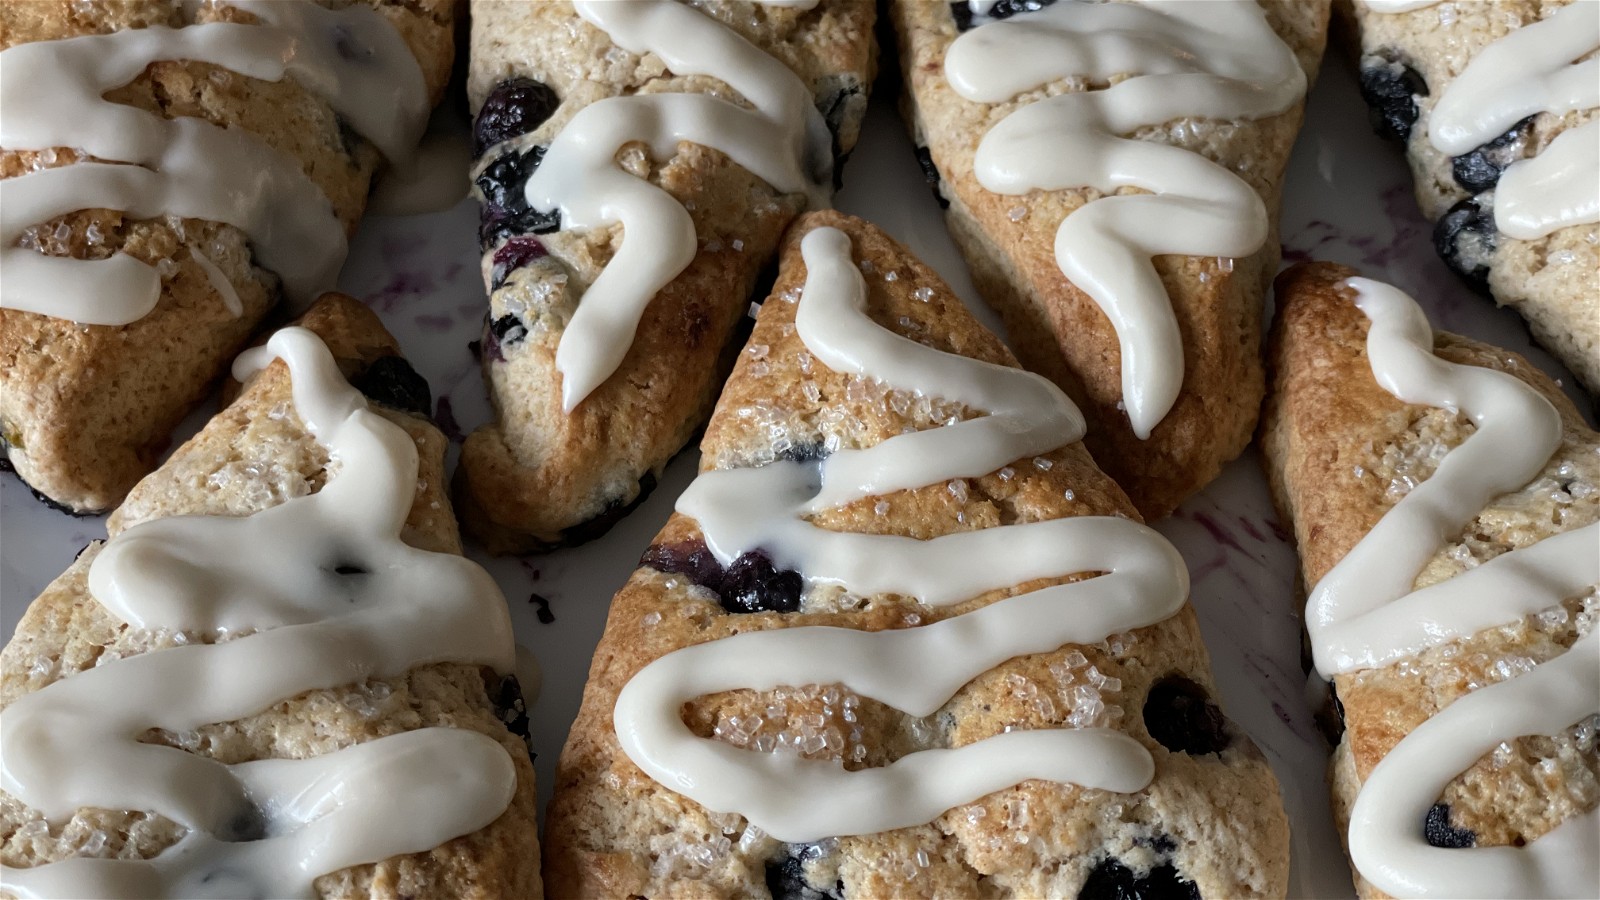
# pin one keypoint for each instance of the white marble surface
(1348, 199)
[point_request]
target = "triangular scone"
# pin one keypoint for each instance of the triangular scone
(1342, 453)
(1010, 240)
(563, 462)
(1209, 824)
(1427, 70)
(87, 409)
(257, 455)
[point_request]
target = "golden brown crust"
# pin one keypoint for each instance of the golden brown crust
(538, 477)
(85, 410)
(1057, 329)
(267, 456)
(1340, 451)
(614, 832)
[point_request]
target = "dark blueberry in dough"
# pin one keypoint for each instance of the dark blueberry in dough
(754, 584)
(961, 10)
(350, 140)
(751, 584)
(506, 697)
(1111, 880)
(505, 211)
(691, 558)
(349, 569)
(1181, 716)
(508, 329)
(515, 107)
(1390, 88)
(1330, 717)
(1440, 833)
(810, 452)
(1003, 9)
(390, 380)
(1465, 238)
(615, 511)
(786, 878)
(1479, 170)
(930, 174)
(513, 255)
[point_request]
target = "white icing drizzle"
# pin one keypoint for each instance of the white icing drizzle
(780, 137)
(1186, 61)
(914, 669)
(270, 827)
(1364, 613)
(149, 166)
(1535, 69)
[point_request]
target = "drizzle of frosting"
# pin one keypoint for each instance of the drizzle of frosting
(915, 669)
(147, 166)
(283, 579)
(780, 137)
(1364, 613)
(1185, 61)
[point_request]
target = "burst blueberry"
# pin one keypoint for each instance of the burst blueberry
(1111, 880)
(1180, 714)
(750, 584)
(1480, 168)
(513, 255)
(392, 381)
(1438, 831)
(515, 107)
(506, 213)
(1390, 88)
(1465, 238)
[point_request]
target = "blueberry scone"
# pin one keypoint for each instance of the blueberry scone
(168, 172)
(1498, 105)
(867, 659)
(639, 162)
(278, 677)
(1446, 497)
(1111, 172)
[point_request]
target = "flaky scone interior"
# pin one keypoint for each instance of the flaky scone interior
(1451, 541)
(868, 658)
(278, 677)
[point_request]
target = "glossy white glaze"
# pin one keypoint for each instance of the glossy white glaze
(1178, 61)
(915, 669)
(283, 621)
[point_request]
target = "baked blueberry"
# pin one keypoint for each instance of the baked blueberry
(1479, 169)
(506, 697)
(750, 584)
(1438, 831)
(392, 381)
(809, 452)
(786, 878)
(500, 333)
(1390, 88)
(1002, 9)
(515, 107)
(930, 174)
(513, 255)
(1111, 880)
(1182, 717)
(1465, 238)
(615, 511)
(506, 212)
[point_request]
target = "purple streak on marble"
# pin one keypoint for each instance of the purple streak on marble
(400, 289)
(433, 323)
(453, 271)
(1217, 531)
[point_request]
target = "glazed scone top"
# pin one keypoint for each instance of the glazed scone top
(917, 669)
(309, 594)
(780, 137)
(52, 93)
(1364, 614)
(1547, 66)
(1163, 62)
